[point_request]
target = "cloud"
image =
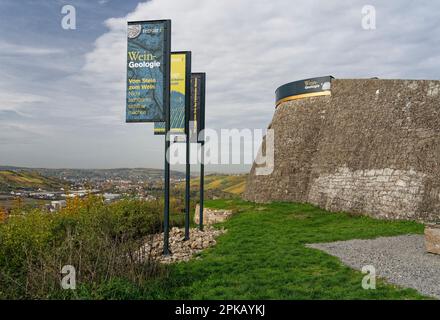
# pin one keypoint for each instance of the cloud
(7, 49)
(248, 48)
(18, 100)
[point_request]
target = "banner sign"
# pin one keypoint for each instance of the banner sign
(180, 86)
(303, 89)
(197, 111)
(148, 56)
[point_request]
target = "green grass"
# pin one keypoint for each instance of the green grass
(262, 256)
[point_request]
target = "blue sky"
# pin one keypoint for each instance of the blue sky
(38, 22)
(37, 25)
(62, 92)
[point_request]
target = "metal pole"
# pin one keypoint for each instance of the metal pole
(187, 187)
(202, 183)
(188, 142)
(166, 222)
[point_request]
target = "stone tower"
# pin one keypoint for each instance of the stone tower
(368, 146)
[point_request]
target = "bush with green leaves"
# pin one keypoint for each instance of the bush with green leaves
(100, 240)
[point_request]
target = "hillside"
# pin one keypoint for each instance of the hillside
(12, 180)
(220, 185)
(263, 256)
(98, 174)
(234, 184)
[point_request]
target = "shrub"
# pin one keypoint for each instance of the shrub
(99, 240)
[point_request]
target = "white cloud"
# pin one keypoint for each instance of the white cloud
(248, 48)
(18, 100)
(7, 48)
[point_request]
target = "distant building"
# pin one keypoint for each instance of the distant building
(57, 205)
(110, 197)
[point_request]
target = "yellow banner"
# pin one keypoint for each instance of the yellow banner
(178, 95)
(178, 72)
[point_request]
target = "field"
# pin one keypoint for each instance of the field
(263, 256)
(33, 203)
(221, 184)
(12, 180)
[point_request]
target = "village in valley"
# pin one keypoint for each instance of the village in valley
(53, 191)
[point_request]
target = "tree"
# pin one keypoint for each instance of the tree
(3, 215)
(18, 203)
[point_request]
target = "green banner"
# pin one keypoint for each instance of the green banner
(148, 56)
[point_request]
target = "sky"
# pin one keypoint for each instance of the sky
(62, 92)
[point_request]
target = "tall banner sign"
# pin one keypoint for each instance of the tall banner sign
(197, 111)
(180, 77)
(197, 118)
(148, 89)
(148, 53)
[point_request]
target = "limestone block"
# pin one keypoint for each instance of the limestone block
(432, 238)
(211, 216)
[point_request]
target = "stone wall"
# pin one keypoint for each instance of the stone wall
(372, 147)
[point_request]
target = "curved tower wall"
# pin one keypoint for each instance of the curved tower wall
(371, 147)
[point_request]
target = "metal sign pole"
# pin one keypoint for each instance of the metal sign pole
(188, 142)
(198, 80)
(188, 186)
(166, 222)
(202, 156)
(188, 166)
(144, 103)
(202, 183)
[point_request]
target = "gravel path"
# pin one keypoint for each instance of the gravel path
(400, 260)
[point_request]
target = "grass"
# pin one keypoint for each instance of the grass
(262, 256)
(237, 189)
(233, 184)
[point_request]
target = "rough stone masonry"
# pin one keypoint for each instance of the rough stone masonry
(372, 147)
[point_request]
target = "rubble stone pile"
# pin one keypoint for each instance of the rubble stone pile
(181, 249)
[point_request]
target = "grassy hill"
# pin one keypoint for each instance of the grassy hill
(220, 184)
(234, 184)
(97, 174)
(264, 255)
(12, 180)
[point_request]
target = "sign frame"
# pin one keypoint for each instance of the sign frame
(166, 59)
(201, 113)
(187, 96)
(166, 52)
